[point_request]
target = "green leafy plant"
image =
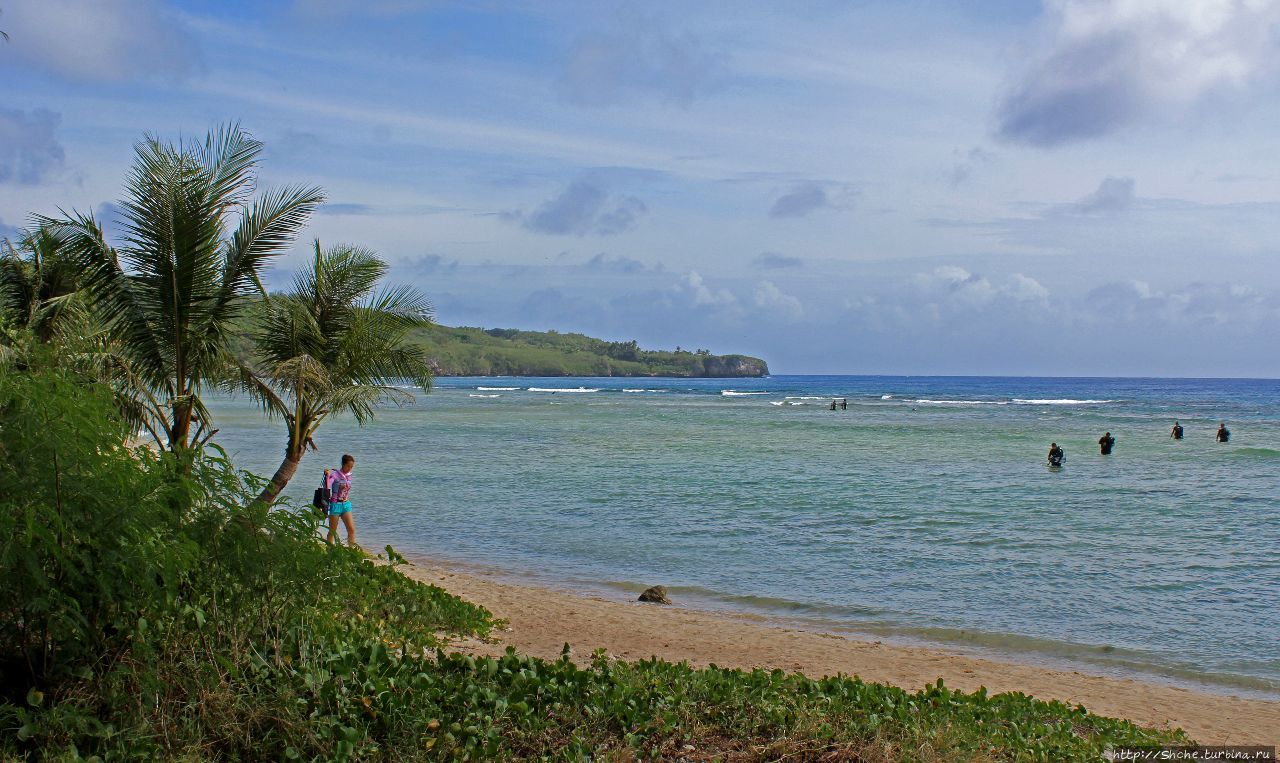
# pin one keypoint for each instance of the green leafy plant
(37, 280)
(130, 629)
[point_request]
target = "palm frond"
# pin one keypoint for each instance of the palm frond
(302, 371)
(267, 227)
(178, 279)
(17, 288)
(403, 305)
(361, 400)
(114, 293)
(229, 155)
(286, 328)
(250, 381)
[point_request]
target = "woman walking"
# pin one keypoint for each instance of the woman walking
(338, 481)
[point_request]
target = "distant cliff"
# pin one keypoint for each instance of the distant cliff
(466, 351)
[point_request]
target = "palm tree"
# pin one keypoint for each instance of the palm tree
(37, 280)
(335, 343)
(195, 237)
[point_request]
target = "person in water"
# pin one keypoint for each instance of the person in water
(1055, 454)
(338, 481)
(1106, 442)
(1223, 434)
(844, 404)
(1177, 431)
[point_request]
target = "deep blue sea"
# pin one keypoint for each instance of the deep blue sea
(925, 512)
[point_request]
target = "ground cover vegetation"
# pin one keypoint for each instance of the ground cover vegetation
(160, 604)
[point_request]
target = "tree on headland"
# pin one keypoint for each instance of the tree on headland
(195, 236)
(334, 343)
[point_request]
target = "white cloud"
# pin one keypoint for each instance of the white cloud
(955, 284)
(693, 286)
(1026, 289)
(100, 40)
(951, 285)
(770, 298)
(1109, 63)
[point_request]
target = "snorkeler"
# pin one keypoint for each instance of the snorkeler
(1056, 456)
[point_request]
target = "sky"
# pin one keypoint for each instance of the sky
(1073, 187)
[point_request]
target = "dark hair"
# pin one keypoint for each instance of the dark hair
(347, 458)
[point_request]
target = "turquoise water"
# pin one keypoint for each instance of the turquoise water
(924, 512)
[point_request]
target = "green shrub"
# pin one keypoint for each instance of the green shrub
(148, 609)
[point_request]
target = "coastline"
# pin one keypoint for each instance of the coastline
(542, 620)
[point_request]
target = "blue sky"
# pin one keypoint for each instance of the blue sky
(1072, 187)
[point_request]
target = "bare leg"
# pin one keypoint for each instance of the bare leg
(351, 529)
(333, 529)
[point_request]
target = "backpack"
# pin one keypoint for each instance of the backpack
(320, 499)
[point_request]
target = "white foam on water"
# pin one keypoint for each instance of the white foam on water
(562, 389)
(484, 396)
(777, 402)
(807, 397)
(735, 393)
(886, 397)
(644, 390)
(498, 389)
(1061, 401)
(926, 401)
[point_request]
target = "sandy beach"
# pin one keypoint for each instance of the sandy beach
(541, 620)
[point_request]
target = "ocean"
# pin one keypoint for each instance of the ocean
(923, 513)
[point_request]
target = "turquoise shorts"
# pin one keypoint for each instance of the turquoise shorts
(338, 508)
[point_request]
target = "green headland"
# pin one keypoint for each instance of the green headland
(467, 351)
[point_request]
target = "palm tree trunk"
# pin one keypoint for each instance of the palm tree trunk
(281, 478)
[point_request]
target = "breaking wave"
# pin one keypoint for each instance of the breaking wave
(563, 389)
(1061, 401)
